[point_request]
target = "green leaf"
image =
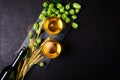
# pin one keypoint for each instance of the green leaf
(31, 35)
(56, 1)
(28, 52)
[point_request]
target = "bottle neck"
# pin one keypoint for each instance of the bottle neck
(19, 57)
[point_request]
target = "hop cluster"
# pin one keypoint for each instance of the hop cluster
(68, 13)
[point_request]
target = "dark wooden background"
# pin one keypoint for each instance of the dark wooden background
(91, 52)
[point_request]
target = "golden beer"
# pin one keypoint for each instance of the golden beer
(51, 49)
(53, 25)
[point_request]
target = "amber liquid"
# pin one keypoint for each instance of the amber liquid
(51, 49)
(53, 25)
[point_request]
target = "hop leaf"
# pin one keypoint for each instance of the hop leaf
(56, 1)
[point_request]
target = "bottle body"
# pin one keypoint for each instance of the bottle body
(10, 72)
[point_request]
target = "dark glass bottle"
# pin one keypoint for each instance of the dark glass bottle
(10, 72)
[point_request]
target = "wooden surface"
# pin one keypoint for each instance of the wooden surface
(91, 52)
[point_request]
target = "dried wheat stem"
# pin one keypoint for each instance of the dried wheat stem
(40, 28)
(37, 52)
(34, 58)
(29, 66)
(22, 69)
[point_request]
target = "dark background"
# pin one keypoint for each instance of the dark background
(91, 52)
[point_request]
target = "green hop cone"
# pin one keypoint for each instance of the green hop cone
(64, 16)
(74, 25)
(67, 7)
(53, 10)
(71, 11)
(57, 12)
(66, 12)
(53, 15)
(59, 15)
(51, 5)
(49, 13)
(36, 45)
(36, 26)
(59, 5)
(67, 20)
(74, 17)
(42, 64)
(44, 12)
(38, 40)
(76, 5)
(42, 16)
(62, 9)
(77, 10)
(45, 4)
